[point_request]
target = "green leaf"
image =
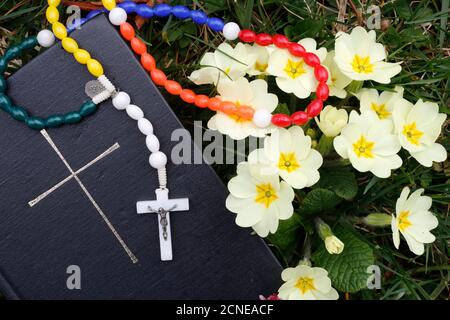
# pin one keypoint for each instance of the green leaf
(308, 27)
(341, 180)
(347, 270)
(319, 200)
(287, 234)
(282, 108)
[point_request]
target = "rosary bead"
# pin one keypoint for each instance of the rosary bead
(127, 31)
(5, 102)
(121, 100)
(148, 62)
(228, 108)
(128, 6)
(117, 16)
(54, 121)
(201, 101)
(88, 108)
(245, 112)
(82, 56)
(321, 74)
(35, 123)
(134, 112)
(162, 10)
(247, 36)
(3, 84)
(144, 11)
(52, 14)
(92, 14)
(322, 91)
(12, 53)
(94, 67)
(187, 96)
(280, 41)
(152, 143)
(215, 24)
(145, 126)
(69, 44)
(18, 113)
(158, 77)
(138, 46)
(281, 120)
(296, 49)
(231, 31)
(3, 65)
(314, 108)
(214, 104)
(59, 30)
(158, 160)
(199, 17)
(299, 118)
(72, 117)
(312, 59)
(29, 43)
(262, 118)
(173, 87)
(181, 12)
(263, 39)
(109, 4)
(53, 3)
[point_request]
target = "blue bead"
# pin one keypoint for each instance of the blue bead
(128, 6)
(144, 11)
(92, 14)
(18, 113)
(199, 16)
(3, 65)
(162, 10)
(35, 123)
(181, 12)
(3, 84)
(215, 24)
(12, 53)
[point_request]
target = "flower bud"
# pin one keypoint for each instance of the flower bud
(334, 245)
(378, 220)
(331, 121)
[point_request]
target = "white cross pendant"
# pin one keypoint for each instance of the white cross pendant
(162, 206)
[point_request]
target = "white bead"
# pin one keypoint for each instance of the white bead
(152, 143)
(117, 16)
(121, 100)
(158, 160)
(106, 83)
(46, 38)
(134, 112)
(145, 126)
(231, 31)
(262, 118)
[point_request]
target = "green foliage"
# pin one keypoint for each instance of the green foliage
(319, 201)
(340, 180)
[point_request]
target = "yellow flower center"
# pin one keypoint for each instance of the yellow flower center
(305, 284)
(403, 221)
(227, 70)
(294, 69)
(363, 148)
(265, 194)
(362, 64)
(381, 110)
(412, 133)
(261, 67)
(288, 162)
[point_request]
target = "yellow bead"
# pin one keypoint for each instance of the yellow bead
(54, 3)
(59, 30)
(82, 56)
(95, 68)
(109, 4)
(69, 44)
(52, 14)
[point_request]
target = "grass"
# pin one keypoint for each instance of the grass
(415, 33)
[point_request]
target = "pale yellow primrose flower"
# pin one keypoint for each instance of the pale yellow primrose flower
(418, 127)
(292, 74)
(288, 153)
(243, 93)
(369, 144)
(383, 104)
(337, 81)
(259, 57)
(360, 57)
(306, 283)
(224, 64)
(259, 200)
(413, 220)
(331, 121)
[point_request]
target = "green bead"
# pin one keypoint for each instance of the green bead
(18, 113)
(35, 123)
(5, 102)
(88, 108)
(12, 53)
(54, 121)
(3, 65)
(3, 85)
(28, 43)
(72, 117)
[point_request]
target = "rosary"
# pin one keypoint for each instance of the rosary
(101, 89)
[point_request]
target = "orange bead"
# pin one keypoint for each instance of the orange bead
(187, 96)
(201, 101)
(173, 87)
(158, 77)
(245, 112)
(127, 31)
(148, 62)
(214, 104)
(228, 108)
(138, 46)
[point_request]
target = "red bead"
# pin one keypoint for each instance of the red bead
(311, 59)
(173, 87)
(322, 91)
(214, 104)
(201, 101)
(187, 95)
(280, 41)
(148, 62)
(314, 108)
(321, 74)
(228, 108)
(247, 35)
(127, 31)
(245, 112)
(263, 39)
(138, 46)
(158, 77)
(296, 49)
(299, 118)
(281, 120)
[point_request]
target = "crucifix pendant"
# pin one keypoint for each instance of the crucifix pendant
(162, 206)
